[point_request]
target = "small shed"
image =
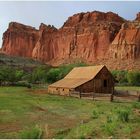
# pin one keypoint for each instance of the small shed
(87, 79)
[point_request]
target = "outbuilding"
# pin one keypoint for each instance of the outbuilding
(97, 79)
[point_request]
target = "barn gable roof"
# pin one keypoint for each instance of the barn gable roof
(78, 76)
(88, 72)
(69, 83)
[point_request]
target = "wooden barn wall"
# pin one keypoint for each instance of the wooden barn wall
(104, 74)
(87, 87)
(97, 84)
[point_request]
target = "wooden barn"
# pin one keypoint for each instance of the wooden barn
(97, 79)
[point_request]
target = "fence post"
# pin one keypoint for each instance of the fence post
(93, 96)
(112, 95)
(80, 94)
(138, 96)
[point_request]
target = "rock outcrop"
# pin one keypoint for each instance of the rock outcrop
(138, 17)
(126, 44)
(91, 37)
(19, 40)
(83, 36)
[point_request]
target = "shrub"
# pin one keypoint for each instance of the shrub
(109, 119)
(53, 75)
(39, 75)
(123, 115)
(109, 128)
(22, 84)
(19, 74)
(133, 78)
(10, 75)
(95, 114)
(136, 105)
(120, 76)
(34, 133)
(127, 78)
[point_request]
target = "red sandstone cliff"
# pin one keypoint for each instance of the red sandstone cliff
(126, 44)
(19, 40)
(85, 36)
(93, 37)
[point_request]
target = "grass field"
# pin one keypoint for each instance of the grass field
(28, 113)
(128, 88)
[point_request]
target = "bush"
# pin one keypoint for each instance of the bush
(95, 114)
(38, 75)
(34, 133)
(120, 76)
(127, 78)
(109, 119)
(10, 75)
(109, 128)
(136, 105)
(53, 75)
(42, 74)
(123, 115)
(133, 78)
(22, 84)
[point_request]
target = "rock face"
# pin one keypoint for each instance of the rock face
(45, 48)
(126, 44)
(138, 17)
(83, 36)
(92, 37)
(19, 40)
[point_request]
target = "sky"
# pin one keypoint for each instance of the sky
(56, 12)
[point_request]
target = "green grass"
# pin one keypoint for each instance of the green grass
(27, 113)
(132, 88)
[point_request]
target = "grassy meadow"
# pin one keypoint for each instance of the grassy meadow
(31, 113)
(124, 88)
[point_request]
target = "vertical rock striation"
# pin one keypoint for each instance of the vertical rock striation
(19, 40)
(92, 37)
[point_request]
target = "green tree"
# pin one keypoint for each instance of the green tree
(39, 75)
(1, 76)
(120, 76)
(10, 75)
(53, 75)
(133, 78)
(19, 74)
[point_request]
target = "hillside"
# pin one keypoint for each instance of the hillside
(93, 37)
(19, 62)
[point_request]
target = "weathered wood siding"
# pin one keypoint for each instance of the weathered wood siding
(99, 82)
(102, 83)
(86, 87)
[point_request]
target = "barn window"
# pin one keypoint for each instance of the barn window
(105, 83)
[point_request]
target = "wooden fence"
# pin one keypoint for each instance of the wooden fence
(117, 95)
